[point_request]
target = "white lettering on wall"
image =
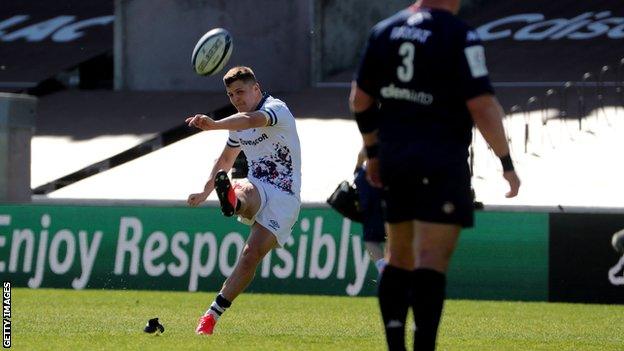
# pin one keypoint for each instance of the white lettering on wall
(60, 29)
(535, 27)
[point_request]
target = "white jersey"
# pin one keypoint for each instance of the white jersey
(273, 152)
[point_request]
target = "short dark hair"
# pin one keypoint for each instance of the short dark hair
(239, 73)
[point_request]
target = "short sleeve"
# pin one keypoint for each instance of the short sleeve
(277, 112)
(233, 140)
(473, 73)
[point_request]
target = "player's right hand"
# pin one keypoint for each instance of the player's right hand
(372, 172)
(200, 121)
(514, 183)
(196, 199)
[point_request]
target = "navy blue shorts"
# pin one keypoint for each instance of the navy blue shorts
(417, 192)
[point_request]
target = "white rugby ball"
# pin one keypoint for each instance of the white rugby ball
(212, 52)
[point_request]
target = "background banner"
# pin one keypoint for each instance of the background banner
(39, 39)
(583, 265)
(504, 257)
(549, 41)
(178, 248)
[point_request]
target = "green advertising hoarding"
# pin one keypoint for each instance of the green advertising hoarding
(173, 249)
(179, 248)
(504, 257)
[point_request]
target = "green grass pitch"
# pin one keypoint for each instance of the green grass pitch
(50, 319)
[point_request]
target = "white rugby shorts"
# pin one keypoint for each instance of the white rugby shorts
(278, 211)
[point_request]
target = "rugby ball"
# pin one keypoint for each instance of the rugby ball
(212, 52)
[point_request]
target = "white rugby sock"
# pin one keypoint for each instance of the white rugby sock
(215, 310)
(218, 306)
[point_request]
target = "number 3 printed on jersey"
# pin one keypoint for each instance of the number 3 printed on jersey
(405, 72)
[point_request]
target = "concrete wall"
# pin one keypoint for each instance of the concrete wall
(17, 125)
(291, 44)
(154, 40)
(345, 25)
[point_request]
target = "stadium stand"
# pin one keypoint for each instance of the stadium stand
(50, 45)
(533, 56)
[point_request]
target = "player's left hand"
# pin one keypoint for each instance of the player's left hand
(197, 198)
(200, 121)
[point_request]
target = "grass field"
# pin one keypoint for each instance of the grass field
(48, 319)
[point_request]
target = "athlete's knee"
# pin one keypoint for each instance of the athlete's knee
(404, 261)
(250, 200)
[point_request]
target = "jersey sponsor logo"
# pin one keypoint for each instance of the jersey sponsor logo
(419, 97)
(475, 55)
(585, 26)
(256, 141)
(273, 224)
(410, 33)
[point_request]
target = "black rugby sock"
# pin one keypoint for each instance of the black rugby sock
(394, 299)
(428, 299)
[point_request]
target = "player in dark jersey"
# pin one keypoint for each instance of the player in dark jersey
(421, 85)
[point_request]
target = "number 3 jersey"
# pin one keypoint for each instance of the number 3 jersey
(273, 152)
(422, 65)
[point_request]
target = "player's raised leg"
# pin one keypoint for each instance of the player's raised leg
(226, 194)
(240, 198)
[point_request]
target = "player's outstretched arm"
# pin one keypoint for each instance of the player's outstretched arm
(225, 162)
(237, 121)
(487, 115)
